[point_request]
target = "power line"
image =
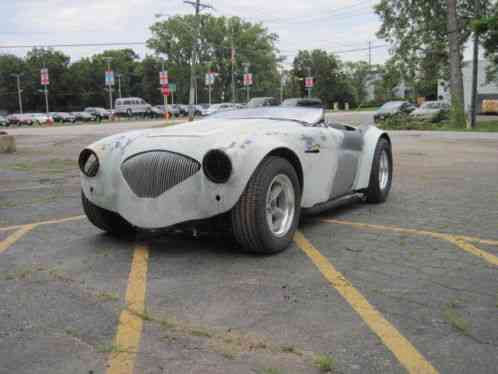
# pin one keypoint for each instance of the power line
(71, 45)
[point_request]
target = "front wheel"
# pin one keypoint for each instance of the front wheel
(267, 214)
(382, 173)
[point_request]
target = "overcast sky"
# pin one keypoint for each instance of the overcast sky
(334, 25)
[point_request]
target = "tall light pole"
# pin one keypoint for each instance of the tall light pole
(475, 73)
(19, 91)
(247, 83)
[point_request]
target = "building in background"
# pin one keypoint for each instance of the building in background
(486, 90)
(401, 91)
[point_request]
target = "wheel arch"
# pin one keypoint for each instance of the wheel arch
(290, 156)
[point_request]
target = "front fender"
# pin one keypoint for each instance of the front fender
(371, 137)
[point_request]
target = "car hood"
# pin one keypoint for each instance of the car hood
(194, 139)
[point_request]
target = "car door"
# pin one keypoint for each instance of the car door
(348, 153)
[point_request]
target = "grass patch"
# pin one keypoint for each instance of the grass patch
(199, 331)
(289, 349)
(107, 296)
(143, 315)
(324, 363)
(408, 123)
(455, 320)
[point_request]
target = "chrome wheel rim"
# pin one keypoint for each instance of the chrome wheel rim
(384, 170)
(280, 205)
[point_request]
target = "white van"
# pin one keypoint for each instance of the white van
(132, 105)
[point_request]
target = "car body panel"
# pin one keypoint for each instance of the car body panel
(324, 152)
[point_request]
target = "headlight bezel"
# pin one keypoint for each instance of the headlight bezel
(217, 166)
(89, 163)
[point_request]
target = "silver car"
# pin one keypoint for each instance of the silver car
(434, 111)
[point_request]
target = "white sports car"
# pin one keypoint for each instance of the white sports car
(253, 170)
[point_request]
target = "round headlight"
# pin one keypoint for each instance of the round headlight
(217, 166)
(89, 163)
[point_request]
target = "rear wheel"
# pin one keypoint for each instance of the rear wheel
(267, 214)
(382, 173)
(106, 220)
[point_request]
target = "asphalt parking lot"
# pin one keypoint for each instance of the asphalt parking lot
(407, 286)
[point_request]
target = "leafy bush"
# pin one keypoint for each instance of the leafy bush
(409, 123)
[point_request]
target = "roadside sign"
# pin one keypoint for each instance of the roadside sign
(309, 82)
(172, 87)
(109, 78)
(248, 79)
(165, 90)
(44, 77)
(210, 79)
(163, 78)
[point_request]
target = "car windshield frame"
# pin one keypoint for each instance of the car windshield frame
(307, 116)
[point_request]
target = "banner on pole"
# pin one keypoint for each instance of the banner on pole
(109, 78)
(163, 78)
(44, 77)
(210, 79)
(248, 79)
(309, 82)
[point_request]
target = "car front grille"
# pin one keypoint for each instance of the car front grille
(150, 174)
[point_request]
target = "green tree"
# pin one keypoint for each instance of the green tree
(331, 83)
(418, 30)
(358, 74)
(10, 64)
(174, 39)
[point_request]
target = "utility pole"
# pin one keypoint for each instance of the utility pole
(197, 7)
(283, 81)
(370, 54)
(119, 84)
(247, 82)
(165, 98)
(232, 58)
(19, 91)
(110, 83)
(308, 69)
(475, 73)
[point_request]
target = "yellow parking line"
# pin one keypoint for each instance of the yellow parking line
(459, 241)
(127, 340)
(6, 243)
(404, 351)
(53, 222)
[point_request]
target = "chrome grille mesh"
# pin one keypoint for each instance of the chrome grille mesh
(151, 174)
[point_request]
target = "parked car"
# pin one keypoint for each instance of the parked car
(40, 118)
(194, 176)
(257, 102)
(132, 106)
(183, 109)
(99, 113)
(63, 117)
(434, 111)
(393, 108)
(304, 102)
(223, 107)
(84, 116)
(173, 110)
(4, 121)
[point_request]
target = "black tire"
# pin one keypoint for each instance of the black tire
(248, 217)
(106, 220)
(375, 194)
